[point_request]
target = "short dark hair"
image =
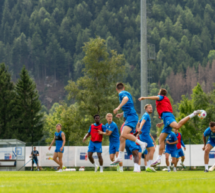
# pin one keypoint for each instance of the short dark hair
(96, 116)
(163, 92)
(212, 124)
(120, 86)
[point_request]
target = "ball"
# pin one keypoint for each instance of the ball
(202, 115)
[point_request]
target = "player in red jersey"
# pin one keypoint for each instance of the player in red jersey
(165, 112)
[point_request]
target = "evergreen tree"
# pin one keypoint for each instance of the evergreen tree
(30, 123)
(8, 105)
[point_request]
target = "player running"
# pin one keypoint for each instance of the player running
(144, 134)
(165, 112)
(180, 153)
(113, 133)
(209, 132)
(60, 140)
(95, 144)
(127, 105)
(133, 149)
(171, 149)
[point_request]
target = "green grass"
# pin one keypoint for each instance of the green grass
(85, 182)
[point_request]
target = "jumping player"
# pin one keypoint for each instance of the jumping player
(209, 132)
(180, 153)
(113, 133)
(171, 149)
(165, 112)
(133, 149)
(95, 144)
(144, 130)
(60, 140)
(127, 105)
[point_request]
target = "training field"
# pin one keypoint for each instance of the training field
(85, 182)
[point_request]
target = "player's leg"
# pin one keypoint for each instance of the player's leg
(100, 161)
(162, 138)
(140, 156)
(112, 156)
(120, 163)
(167, 161)
(175, 163)
(60, 158)
(184, 120)
(208, 148)
(55, 158)
(136, 160)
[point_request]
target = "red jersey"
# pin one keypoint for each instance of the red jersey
(180, 141)
(164, 106)
(95, 136)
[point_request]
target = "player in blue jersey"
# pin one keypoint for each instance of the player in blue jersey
(144, 130)
(60, 140)
(171, 149)
(209, 132)
(95, 144)
(165, 112)
(127, 105)
(113, 133)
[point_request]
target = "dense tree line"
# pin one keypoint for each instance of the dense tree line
(47, 35)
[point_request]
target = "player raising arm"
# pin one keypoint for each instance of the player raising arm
(209, 132)
(60, 140)
(165, 112)
(127, 106)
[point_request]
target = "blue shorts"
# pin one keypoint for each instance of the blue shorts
(212, 143)
(148, 140)
(57, 150)
(180, 153)
(168, 118)
(114, 147)
(131, 121)
(173, 152)
(131, 146)
(35, 160)
(95, 147)
(144, 154)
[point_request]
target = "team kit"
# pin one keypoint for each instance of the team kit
(135, 135)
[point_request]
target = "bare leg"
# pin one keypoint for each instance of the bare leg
(90, 156)
(112, 156)
(178, 125)
(100, 158)
(120, 163)
(167, 159)
(140, 155)
(162, 142)
(60, 157)
(207, 151)
(55, 158)
(136, 156)
(151, 151)
(174, 161)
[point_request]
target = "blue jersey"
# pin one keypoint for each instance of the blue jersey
(209, 133)
(147, 125)
(103, 128)
(58, 139)
(114, 137)
(128, 108)
(171, 138)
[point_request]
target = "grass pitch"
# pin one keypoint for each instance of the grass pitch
(86, 182)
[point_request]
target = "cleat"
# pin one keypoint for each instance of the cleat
(169, 170)
(211, 168)
(158, 162)
(165, 169)
(116, 161)
(150, 169)
(118, 168)
(60, 170)
(206, 171)
(96, 168)
(182, 164)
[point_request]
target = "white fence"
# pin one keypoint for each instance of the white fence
(77, 156)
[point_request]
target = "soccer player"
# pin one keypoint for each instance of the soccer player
(60, 140)
(209, 132)
(127, 105)
(113, 133)
(34, 155)
(144, 130)
(165, 112)
(133, 149)
(180, 152)
(95, 144)
(171, 149)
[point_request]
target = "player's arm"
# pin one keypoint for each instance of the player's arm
(64, 141)
(52, 143)
(107, 132)
(156, 98)
(153, 139)
(182, 143)
(86, 136)
(124, 101)
(119, 115)
(204, 140)
(172, 143)
(141, 125)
